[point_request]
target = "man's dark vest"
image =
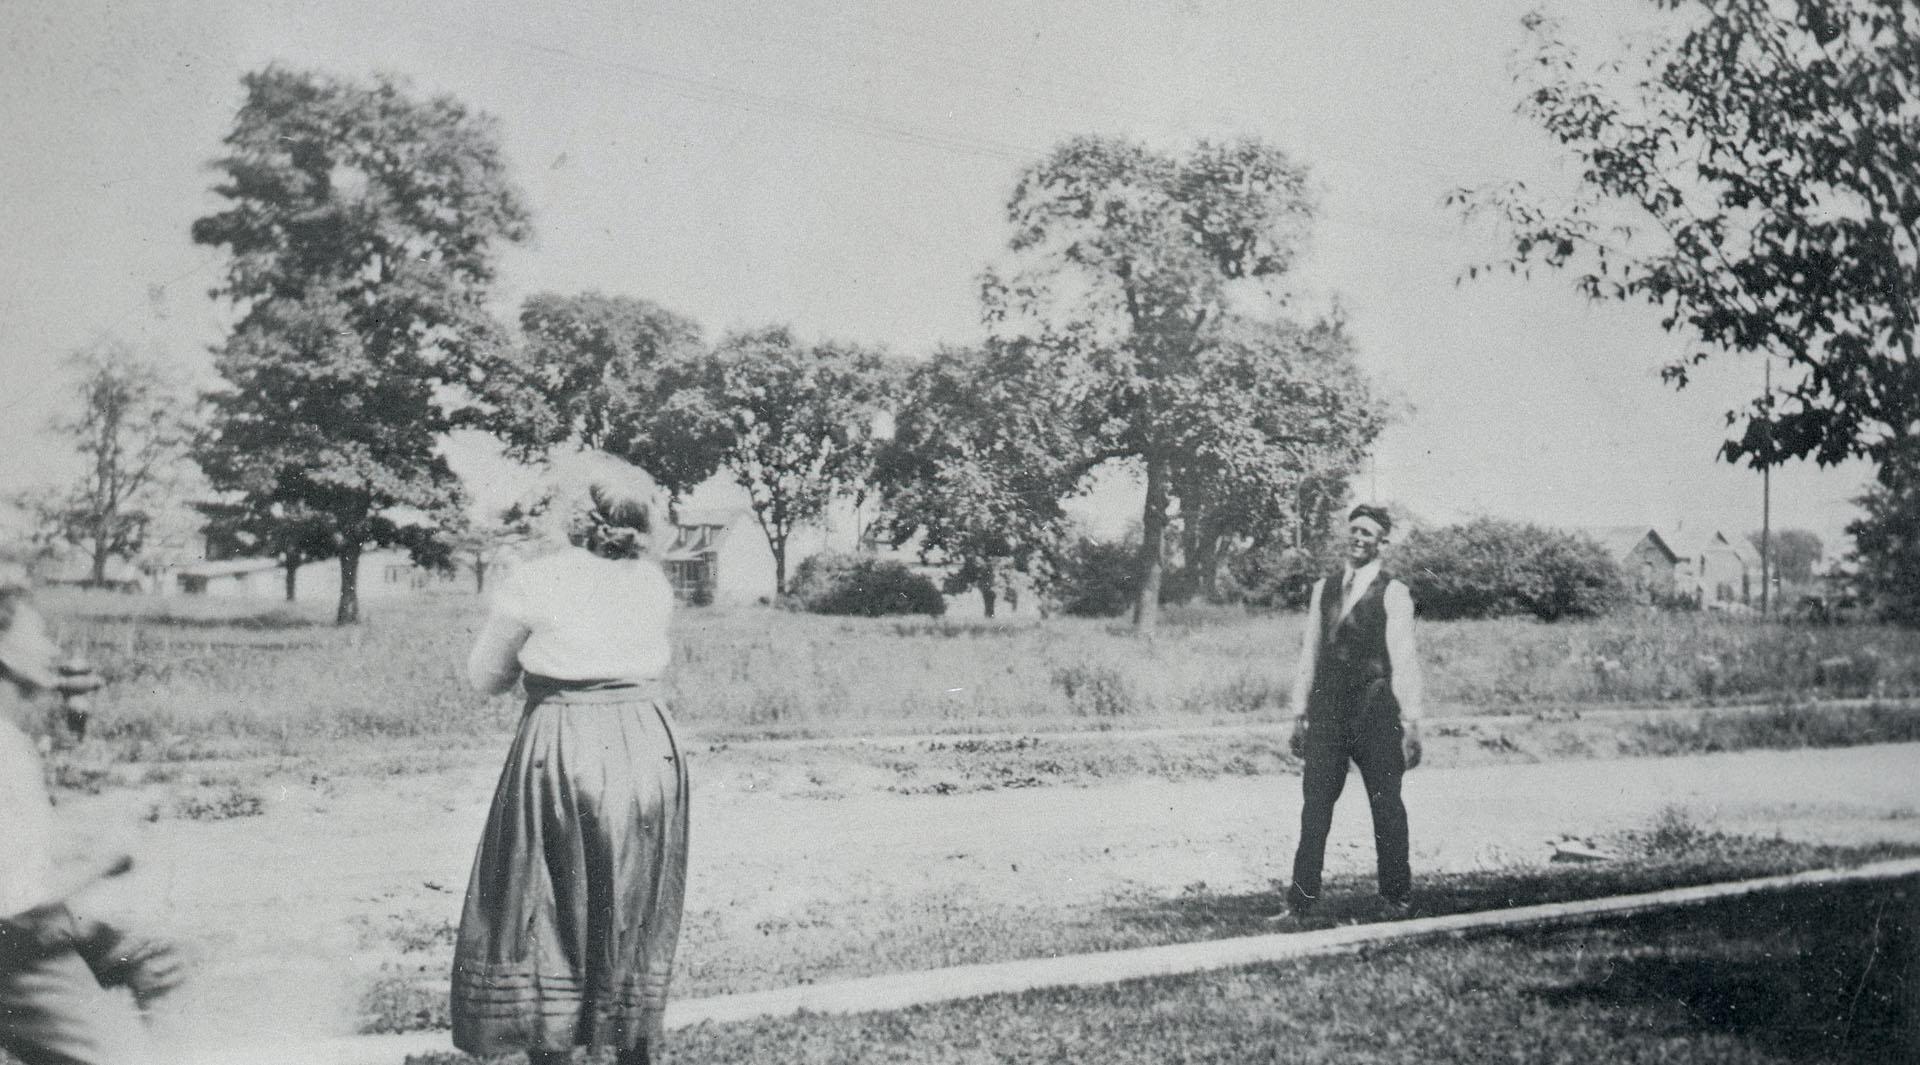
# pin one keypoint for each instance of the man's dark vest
(1353, 649)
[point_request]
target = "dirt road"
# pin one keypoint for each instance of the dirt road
(291, 913)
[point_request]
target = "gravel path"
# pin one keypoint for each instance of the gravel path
(290, 912)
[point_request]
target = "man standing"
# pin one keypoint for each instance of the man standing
(55, 967)
(1357, 699)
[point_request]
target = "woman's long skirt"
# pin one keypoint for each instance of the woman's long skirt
(573, 908)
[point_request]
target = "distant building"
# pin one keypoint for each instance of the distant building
(721, 557)
(74, 569)
(1649, 567)
(232, 578)
(383, 573)
(1719, 572)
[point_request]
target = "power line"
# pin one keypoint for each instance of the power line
(707, 90)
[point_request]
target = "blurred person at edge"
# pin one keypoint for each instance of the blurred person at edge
(56, 966)
(1358, 699)
(573, 907)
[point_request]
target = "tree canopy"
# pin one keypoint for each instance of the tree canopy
(616, 374)
(1792, 554)
(1886, 538)
(362, 226)
(128, 425)
(1156, 284)
(1755, 175)
(801, 420)
(980, 459)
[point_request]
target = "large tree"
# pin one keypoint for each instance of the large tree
(1274, 414)
(801, 420)
(1752, 173)
(1158, 279)
(362, 224)
(978, 464)
(615, 374)
(128, 425)
(1886, 538)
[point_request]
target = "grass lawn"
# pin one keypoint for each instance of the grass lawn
(1825, 976)
(196, 678)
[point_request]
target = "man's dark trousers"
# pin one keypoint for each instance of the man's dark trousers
(1352, 717)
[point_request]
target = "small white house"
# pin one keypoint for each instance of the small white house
(720, 556)
(1720, 572)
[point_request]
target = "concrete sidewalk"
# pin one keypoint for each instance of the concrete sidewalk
(902, 990)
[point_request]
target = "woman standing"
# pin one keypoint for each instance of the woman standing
(573, 908)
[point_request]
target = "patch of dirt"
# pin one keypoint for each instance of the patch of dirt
(288, 913)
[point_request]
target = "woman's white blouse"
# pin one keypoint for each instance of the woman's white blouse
(575, 616)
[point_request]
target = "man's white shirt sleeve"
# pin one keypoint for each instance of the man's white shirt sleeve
(1407, 690)
(1309, 650)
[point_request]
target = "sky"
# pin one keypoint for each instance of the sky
(844, 166)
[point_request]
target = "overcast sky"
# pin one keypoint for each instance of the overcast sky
(844, 167)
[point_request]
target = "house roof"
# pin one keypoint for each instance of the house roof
(227, 567)
(1621, 540)
(699, 533)
(710, 516)
(1713, 541)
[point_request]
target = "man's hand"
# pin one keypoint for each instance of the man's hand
(1297, 743)
(1410, 742)
(150, 968)
(33, 934)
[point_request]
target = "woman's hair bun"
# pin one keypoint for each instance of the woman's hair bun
(616, 522)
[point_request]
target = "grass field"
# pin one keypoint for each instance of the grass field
(193, 678)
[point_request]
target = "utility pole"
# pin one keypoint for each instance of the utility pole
(1766, 502)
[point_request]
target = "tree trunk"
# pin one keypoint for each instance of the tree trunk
(779, 566)
(99, 560)
(1203, 561)
(479, 574)
(1153, 535)
(987, 598)
(291, 563)
(1190, 522)
(349, 612)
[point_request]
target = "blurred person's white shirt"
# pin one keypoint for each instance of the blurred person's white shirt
(26, 824)
(573, 615)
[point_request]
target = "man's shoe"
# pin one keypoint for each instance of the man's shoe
(1287, 920)
(1294, 913)
(1395, 909)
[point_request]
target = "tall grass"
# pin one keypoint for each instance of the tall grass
(195, 676)
(1655, 658)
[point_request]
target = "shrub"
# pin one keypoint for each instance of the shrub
(865, 586)
(1491, 568)
(1096, 691)
(1096, 579)
(1278, 576)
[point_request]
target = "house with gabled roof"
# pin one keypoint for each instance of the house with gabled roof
(719, 556)
(1720, 572)
(1650, 567)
